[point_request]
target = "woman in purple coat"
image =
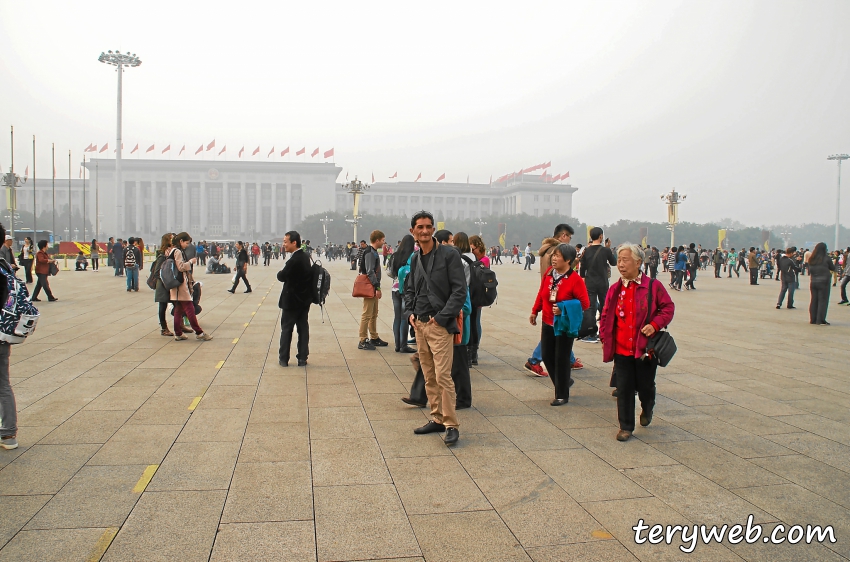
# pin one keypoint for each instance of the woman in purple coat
(625, 328)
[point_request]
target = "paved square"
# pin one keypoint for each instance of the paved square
(137, 447)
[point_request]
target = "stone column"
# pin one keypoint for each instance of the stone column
(258, 200)
(225, 208)
(186, 210)
(154, 207)
(243, 208)
(273, 225)
(169, 206)
(139, 211)
(288, 207)
(205, 211)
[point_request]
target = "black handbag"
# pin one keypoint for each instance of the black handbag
(54, 269)
(660, 346)
(588, 323)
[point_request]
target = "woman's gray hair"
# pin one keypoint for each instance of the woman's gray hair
(636, 250)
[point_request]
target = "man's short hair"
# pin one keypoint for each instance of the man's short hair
(442, 236)
(693, 245)
(595, 233)
(421, 215)
(294, 237)
(561, 228)
(375, 236)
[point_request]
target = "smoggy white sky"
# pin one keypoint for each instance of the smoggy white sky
(737, 104)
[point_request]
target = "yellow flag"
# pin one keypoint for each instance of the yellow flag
(721, 236)
(441, 225)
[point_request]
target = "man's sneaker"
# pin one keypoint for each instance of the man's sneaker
(578, 365)
(378, 342)
(590, 339)
(9, 443)
(536, 369)
(203, 336)
(366, 344)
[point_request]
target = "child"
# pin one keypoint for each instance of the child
(82, 262)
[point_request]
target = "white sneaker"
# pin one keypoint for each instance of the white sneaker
(203, 336)
(9, 443)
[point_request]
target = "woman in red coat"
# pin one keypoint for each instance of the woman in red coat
(625, 328)
(560, 283)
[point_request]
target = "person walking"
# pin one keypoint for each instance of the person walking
(162, 296)
(295, 300)
(680, 268)
(626, 325)
(42, 270)
(370, 265)
(182, 295)
(594, 270)
(559, 286)
(753, 263)
(476, 245)
(118, 257)
(820, 272)
(654, 260)
(241, 268)
(528, 257)
(94, 254)
(693, 264)
(433, 297)
(27, 258)
(7, 254)
(845, 278)
(131, 265)
(788, 270)
(718, 261)
(399, 268)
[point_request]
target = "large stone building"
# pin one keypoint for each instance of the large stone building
(262, 200)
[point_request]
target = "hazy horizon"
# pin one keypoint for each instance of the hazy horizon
(736, 104)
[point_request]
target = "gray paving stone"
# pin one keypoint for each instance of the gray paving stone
(196, 466)
(59, 545)
(44, 469)
(275, 442)
(18, 510)
(289, 541)
(137, 444)
(421, 492)
(474, 536)
(269, 491)
(215, 425)
(342, 462)
(87, 427)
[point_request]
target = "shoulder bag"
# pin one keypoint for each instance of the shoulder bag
(363, 288)
(660, 346)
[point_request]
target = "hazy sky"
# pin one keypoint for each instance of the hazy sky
(737, 104)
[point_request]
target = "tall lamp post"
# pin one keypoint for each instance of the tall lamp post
(480, 223)
(838, 157)
(356, 188)
(119, 60)
(12, 182)
(325, 222)
(786, 238)
(672, 200)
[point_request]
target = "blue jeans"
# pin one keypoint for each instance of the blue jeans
(537, 356)
(400, 325)
(8, 410)
(132, 277)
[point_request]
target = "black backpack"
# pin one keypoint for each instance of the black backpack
(482, 283)
(169, 274)
(321, 284)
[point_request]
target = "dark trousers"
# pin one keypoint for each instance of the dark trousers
(819, 303)
(187, 309)
(297, 319)
(596, 291)
(163, 306)
(633, 374)
(653, 271)
(790, 287)
(240, 274)
(94, 263)
(460, 376)
(844, 281)
(474, 322)
(556, 356)
(399, 324)
(717, 270)
(27, 265)
(734, 268)
(42, 284)
(693, 271)
(754, 276)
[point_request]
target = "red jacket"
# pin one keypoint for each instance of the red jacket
(662, 315)
(570, 287)
(42, 262)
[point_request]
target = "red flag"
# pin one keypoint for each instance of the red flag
(419, 177)
(329, 153)
(565, 176)
(442, 177)
(166, 149)
(395, 175)
(150, 149)
(27, 172)
(135, 148)
(94, 148)
(200, 148)
(241, 150)
(547, 164)
(104, 148)
(315, 152)
(211, 145)
(373, 177)
(270, 152)
(300, 152)
(223, 150)
(88, 148)
(556, 178)
(256, 151)
(181, 150)
(284, 151)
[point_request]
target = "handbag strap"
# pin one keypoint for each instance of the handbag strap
(649, 303)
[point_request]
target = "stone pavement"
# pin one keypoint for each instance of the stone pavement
(136, 447)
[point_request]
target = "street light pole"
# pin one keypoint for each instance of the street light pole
(119, 60)
(356, 188)
(838, 157)
(480, 223)
(672, 200)
(325, 222)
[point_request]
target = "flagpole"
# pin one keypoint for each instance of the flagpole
(70, 232)
(84, 197)
(34, 209)
(53, 160)
(97, 201)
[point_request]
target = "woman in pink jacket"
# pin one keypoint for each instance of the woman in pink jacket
(182, 296)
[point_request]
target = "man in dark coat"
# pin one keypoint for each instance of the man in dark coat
(295, 300)
(118, 257)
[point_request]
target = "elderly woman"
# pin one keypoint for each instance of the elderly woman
(624, 329)
(182, 296)
(560, 285)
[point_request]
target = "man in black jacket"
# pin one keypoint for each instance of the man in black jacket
(295, 300)
(433, 296)
(594, 268)
(788, 269)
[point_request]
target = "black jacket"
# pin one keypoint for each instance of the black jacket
(788, 269)
(447, 283)
(297, 280)
(594, 267)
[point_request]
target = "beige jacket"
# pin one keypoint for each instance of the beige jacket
(181, 293)
(545, 253)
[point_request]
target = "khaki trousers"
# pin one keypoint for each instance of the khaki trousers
(436, 351)
(369, 319)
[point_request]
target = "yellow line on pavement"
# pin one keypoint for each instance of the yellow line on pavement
(253, 313)
(220, 364)
(195, 403)
(145, 479)
(235, 340)
(102, 544)
(246, 324)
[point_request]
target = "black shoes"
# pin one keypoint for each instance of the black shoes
(463, 406)
(366, 344)
(302, 362)
(780, 306)
(645, 417)
(558, 402)
(249, 291)
(452, 435)
(431, 427)
(283, 363)
(407, 349)
(52, 300)
(36, 299)
(410, 402)
(231, 291)
(378, 342)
